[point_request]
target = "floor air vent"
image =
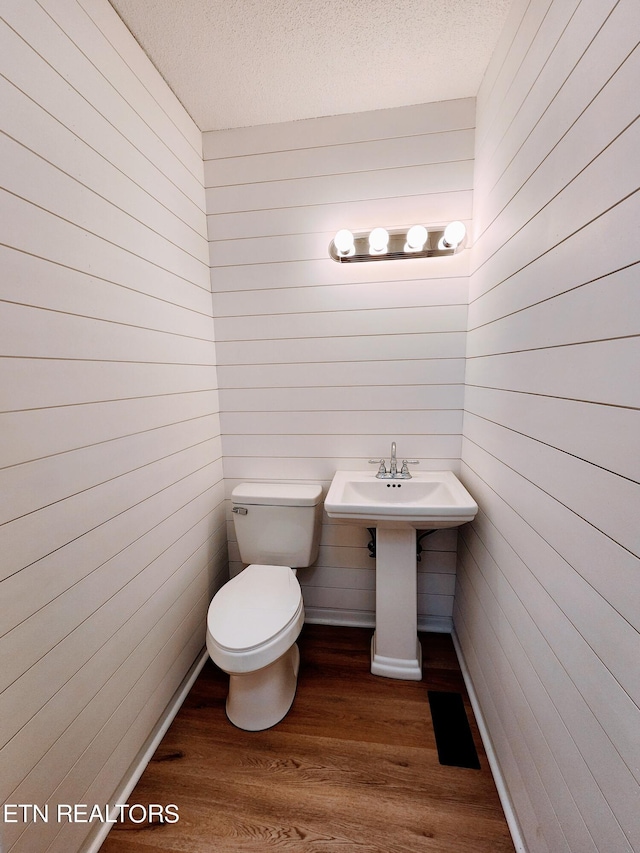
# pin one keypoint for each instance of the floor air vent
(451, 728)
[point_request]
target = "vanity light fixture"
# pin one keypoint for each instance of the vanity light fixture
(391, 245)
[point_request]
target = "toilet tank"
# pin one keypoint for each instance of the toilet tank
(278, 523)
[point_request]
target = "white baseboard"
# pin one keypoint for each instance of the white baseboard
(345, 618)
(137, 767)
(501, 785)
(435, 624)
(364, 619)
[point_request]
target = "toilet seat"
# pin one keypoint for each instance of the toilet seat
(254, 618)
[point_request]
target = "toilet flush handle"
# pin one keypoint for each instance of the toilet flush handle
(241, 510)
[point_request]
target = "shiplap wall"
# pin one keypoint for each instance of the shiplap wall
(548, 584)
(322, 365)
(113, 532)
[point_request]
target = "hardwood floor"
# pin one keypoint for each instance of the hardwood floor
(353, 766)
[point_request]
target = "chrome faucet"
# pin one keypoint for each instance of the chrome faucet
(393, 473)
(393, 463)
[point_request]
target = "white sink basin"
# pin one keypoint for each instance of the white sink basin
(430, 499)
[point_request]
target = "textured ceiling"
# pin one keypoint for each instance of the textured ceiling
(235, 63)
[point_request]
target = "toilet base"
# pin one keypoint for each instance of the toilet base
(258, 700)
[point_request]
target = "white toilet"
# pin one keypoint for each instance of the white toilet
(254, 619)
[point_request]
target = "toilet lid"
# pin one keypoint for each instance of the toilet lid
(254, 606)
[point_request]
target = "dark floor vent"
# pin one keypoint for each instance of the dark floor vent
(451, 728)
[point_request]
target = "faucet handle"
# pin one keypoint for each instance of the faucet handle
(382, 469)
(406, 463)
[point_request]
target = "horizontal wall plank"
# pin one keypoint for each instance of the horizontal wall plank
(435, 605)
(437, 178)
(364, 397)
(339, 576)
(368, 348)
(565, 82)
(36, 434)
(554, 422)
(538, 725)
(109, 23)
(342, 129)
(138, 712)
(33, 76)
(28, 124)
(429, 208)
(549, 193)
(328, 374)
(444, 541)
(341, 600)
(150, 692)
(585, 632)
(599, 249)
(27, 487)
(111, 544)
(346, 422)
(520, 32)
(582, 547)
(312, 273)
(403, 294)
(526, 80)
(53, 191)
(330, 324)
(600, 310)
(36, 232)
(73, 20)
(32, 383)
(62, 522)
(492, 690)
(69, 643)
(575, 372)
(29, 332)
(574, 207)
(600, 498)
(40, 284)
(58, 49)
(336, 445)
(398, 152)
(583, 128)
(559, 652)
(320, 469)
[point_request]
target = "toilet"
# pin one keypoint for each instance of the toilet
(254, 620)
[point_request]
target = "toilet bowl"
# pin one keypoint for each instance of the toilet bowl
(254, 620)
(252, 627)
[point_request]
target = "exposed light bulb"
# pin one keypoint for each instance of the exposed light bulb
(453, 234)
(344, 242)
(378, 241)
(416, 238)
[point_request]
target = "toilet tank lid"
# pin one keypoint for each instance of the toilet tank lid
(277, 494)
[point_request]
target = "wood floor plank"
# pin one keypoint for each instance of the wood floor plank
(353, 766)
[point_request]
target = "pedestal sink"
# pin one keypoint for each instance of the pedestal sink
(397, 508)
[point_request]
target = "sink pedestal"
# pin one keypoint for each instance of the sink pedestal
(397, 506)
(395, 648)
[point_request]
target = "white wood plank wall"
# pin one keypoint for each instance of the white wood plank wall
(112, 527)
(322, 365)
(548, 581)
